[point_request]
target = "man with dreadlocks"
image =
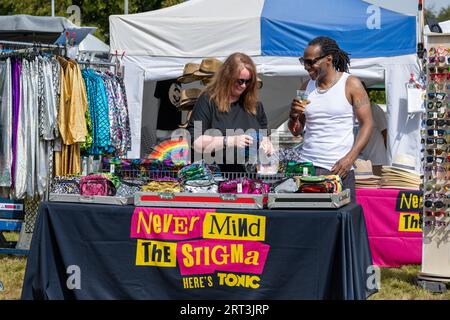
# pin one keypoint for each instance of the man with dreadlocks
(334, 99)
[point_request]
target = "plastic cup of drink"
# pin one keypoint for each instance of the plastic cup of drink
(302, 96)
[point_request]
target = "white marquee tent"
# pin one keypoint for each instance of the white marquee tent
(380, 35)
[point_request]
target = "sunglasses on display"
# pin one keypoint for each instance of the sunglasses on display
(435, 213)
(437, 59)
(437, 95)
(436, 122)
(431, 159)
(439, 204)
(439, 141)
(438, 77)
(432, 187)
(435, 223)
(435, 168)
(433, 152)
(436, 132)
(434, 104)
(310, 62)
(243, 81)
(435, 115)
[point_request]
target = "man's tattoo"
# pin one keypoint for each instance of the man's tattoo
(360, 102)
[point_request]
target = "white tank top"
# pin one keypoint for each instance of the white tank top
(329, 125)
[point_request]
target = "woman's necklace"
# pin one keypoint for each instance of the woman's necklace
(322, 91)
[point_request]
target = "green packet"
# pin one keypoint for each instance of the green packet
(312, 179)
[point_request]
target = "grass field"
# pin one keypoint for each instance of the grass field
(396, 283)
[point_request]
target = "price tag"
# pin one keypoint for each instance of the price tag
(239, 188)
(112, 167)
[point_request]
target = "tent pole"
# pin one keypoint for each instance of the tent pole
(53, 8)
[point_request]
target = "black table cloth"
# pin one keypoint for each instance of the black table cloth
(84, 251)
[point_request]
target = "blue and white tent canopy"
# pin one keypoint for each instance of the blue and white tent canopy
(379, 35)
(199, 28)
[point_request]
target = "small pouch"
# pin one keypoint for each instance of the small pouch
(240, 185)
(287, 186)
(168, 186)
(312, 184)
(212, 188)
(96, 185)
(128, 188)
(65, 185)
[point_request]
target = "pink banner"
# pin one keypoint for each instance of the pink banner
(208, 256)
(393, 225)
(167, 223)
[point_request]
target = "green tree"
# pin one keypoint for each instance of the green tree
(93, 12)
(444, 14)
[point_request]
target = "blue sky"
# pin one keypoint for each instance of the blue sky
(438, 4)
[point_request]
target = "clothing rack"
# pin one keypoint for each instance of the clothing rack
(31, 46)
(100, 64)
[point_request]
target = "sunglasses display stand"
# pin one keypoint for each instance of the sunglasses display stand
(436, 212)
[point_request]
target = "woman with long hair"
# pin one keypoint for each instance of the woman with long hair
(228, 116)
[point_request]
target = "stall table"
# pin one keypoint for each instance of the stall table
(85, 251)
(393, 219)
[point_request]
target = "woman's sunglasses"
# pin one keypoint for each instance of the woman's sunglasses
(242, 81)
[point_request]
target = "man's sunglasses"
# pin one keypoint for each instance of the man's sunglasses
(242, 81)
(310, 62)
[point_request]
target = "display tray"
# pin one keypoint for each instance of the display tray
(122, 201)
(199, 200)
(308, 200)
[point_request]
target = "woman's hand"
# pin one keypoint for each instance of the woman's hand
(240, 141)
(267, 146)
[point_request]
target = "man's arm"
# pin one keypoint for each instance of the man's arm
(361, 105)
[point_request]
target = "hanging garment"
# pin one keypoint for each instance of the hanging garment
(71, 118)
(16, 70)
(6, 114)
(99, 111)
(21, 160)
(121, 106)
(73, 103)
(47, 100)
(32, 109)
(114, 126)
(122, 103)
(56, 74)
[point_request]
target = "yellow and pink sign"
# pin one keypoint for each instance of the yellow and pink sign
(202, 242)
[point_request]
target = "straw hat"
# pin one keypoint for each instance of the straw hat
(188, 98)
(363, 170)
(208, 67)
(403, 162)
(188, 73)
